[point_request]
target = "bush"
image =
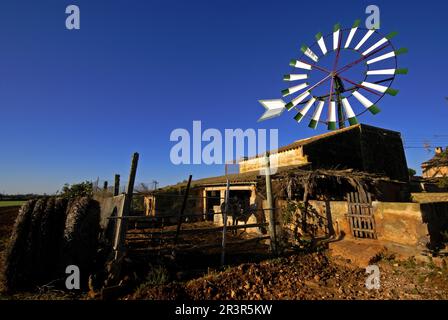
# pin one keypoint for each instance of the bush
(77, 190)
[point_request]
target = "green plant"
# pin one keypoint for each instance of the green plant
(305, 220)
(83, 189)
(411, 172)
(157, 275)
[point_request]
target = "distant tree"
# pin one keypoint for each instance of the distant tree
(82, 189)
(412, 172)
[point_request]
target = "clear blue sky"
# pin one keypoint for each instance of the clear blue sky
(74, 105)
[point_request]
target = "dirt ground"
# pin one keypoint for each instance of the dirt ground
(308, 277)
(296, 276)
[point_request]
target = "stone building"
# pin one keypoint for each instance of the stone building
(360, 147)
(437, 167)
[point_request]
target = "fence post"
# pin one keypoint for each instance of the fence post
(117, 185)
(224, 221)
(271, 209)
(181, 213)
(121, 225)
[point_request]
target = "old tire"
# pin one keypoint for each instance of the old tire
(15, 271)
(81, 233)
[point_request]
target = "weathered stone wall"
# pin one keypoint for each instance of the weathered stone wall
(407, 223)
(282, 159)
(435, 172)
(341, 151)
(426, 197)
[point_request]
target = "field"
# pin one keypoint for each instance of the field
(14, 203)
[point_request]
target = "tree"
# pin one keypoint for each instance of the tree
(412, 172)
(83, 189)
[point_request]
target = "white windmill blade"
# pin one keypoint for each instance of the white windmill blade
(350, 115)
(297, 100)
(386, 72)
(321, 43)
(380, 88)
(305, 110)
(294, 77)
(274, 108)
(366, 103)
(388, 55)
(300, 64)
(336, 35)
(332, 115)
(352, 33)
(294, 89)
(364, 39)
(316, 115)
(380, 43)
(309, 53)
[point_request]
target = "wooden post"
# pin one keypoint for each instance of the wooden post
(117, 185)
(121, 225)
(181, 213)
(272, 222)
(224, 221)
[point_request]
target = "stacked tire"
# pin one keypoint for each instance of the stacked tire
(49, 234)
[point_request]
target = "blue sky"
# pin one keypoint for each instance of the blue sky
(74, 105)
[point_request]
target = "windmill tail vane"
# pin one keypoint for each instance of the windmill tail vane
(346, 98)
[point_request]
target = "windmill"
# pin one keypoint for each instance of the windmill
(347, 72)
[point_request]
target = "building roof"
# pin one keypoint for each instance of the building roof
(439, 160)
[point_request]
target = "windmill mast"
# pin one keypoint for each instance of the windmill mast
(339, 86)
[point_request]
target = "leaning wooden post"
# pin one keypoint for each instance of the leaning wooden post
(224, 221)
(117, 185)
(181, 213)
(270, 208)
(121, 226)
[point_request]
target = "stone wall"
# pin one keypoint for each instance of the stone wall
(409, 224)
(282, 159)
(435, 172)
(427, 197)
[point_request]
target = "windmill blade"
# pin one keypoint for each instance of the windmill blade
(305, 109)
(300, 64)
(364, 39)
(316, 116)
(366, 103)
(350, 115)
(388, 55)
(352, 33)
(379, 43)
(297, 100)
(336, 35)
(309, 53)
(332, 116)
(294, 89)
(321, 43)
(380, 88)
(274, 108)
(386, 72)
(295, 77)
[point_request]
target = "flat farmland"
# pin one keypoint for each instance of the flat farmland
(14, 203)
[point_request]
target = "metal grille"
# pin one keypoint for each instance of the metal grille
(360, 215)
